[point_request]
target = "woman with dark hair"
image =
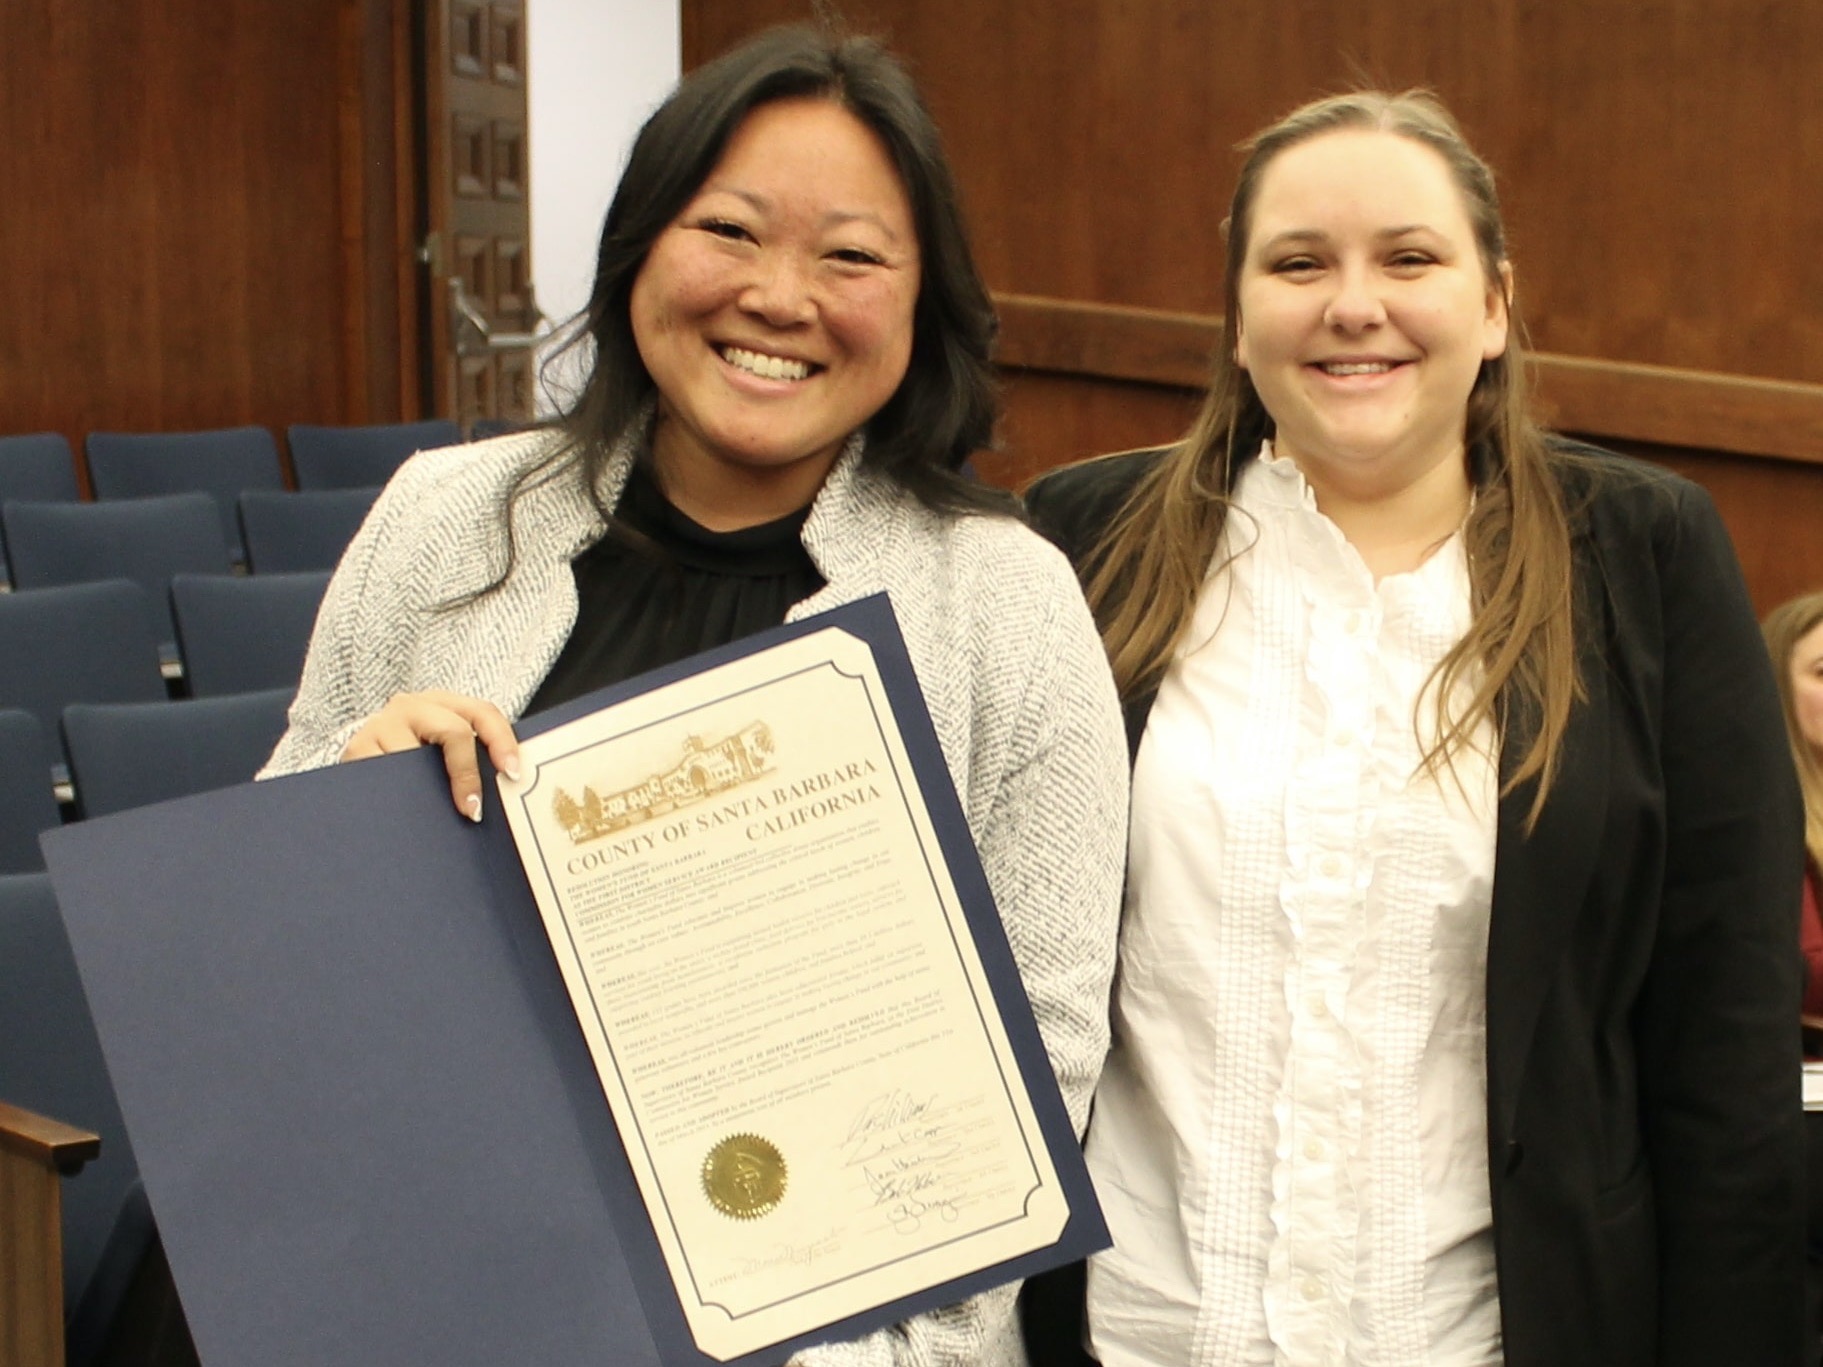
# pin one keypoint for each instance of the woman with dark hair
(790, 362)
(1453, 1015)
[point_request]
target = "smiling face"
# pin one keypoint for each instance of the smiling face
(774, 314)
(1363, 312)
(1807, 687)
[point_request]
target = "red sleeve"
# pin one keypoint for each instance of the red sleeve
(1810, 936)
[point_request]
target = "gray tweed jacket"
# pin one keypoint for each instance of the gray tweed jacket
(1004, 648)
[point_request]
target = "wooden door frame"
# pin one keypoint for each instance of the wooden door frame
(434, 201)
(379, 156)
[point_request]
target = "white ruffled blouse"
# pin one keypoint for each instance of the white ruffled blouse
(1290, 1136)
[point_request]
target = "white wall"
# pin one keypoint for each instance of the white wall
(597, 68)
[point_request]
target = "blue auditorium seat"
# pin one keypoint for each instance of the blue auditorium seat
(219, 463)
(37, 466)
(356, 457)
(80, 643)
(27, 802)
(308, 530)
(146, 540)
(125, 755)
(51, 1064)
(244, 633)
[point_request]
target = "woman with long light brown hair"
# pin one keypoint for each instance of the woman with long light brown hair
(1794, 640)
(1453, 1018)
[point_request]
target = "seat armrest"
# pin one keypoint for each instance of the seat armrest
(35, 1155)
(49, 1142)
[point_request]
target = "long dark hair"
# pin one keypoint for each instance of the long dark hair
(946, 406)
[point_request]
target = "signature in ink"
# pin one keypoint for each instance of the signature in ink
(790, 1255)
(908, 1191)
(892, 1121)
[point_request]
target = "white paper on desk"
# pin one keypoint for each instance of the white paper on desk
(1813, 1086)
(774, 974)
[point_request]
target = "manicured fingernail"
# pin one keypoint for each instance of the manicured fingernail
(511, 769)
(473, 805)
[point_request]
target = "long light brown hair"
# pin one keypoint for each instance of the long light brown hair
(1517, 663)
(1785, 626)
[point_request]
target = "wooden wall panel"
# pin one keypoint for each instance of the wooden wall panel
(1657, 158)
(201, 223)
(1774, 511)
(1052, 419)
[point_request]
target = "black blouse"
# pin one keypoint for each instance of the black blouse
(675, 589)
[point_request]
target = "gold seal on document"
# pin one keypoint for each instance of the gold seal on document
(744, 1177)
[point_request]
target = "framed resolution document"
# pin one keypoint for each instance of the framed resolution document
(767, 910)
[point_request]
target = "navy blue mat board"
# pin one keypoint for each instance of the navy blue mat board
(366, 1117)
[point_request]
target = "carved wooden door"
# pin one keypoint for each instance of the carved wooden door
(481, 308)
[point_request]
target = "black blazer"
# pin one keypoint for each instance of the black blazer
(1644, 1138)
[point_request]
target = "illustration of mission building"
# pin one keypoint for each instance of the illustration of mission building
(703, 771)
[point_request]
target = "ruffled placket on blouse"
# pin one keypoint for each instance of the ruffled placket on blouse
(1346, 1276)
(1317, 1113)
